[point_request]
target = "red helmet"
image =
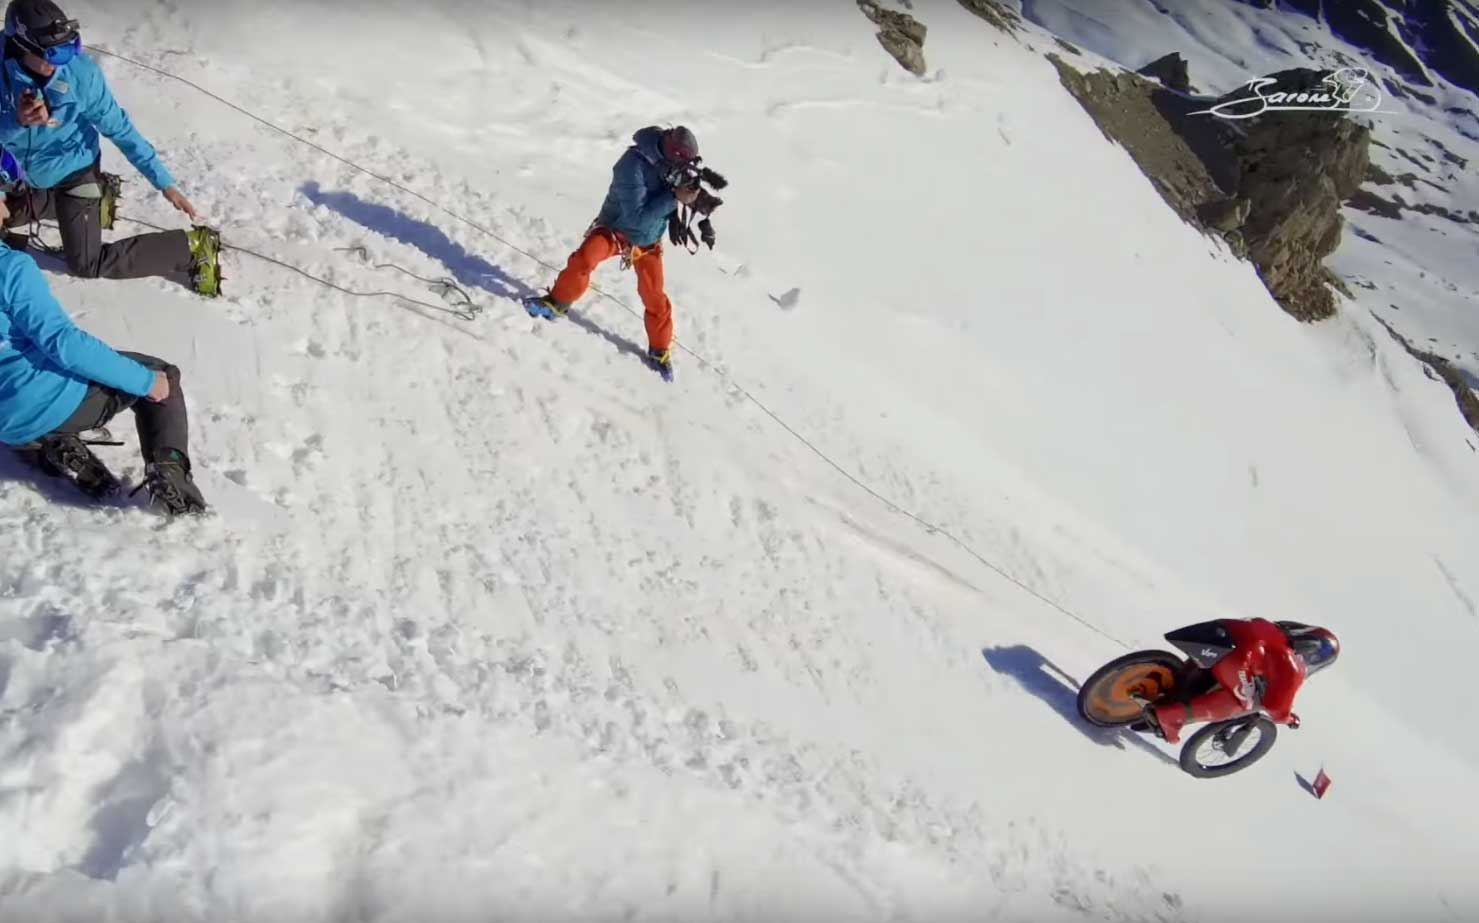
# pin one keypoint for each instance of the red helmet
(679, 145)
(1317, 647)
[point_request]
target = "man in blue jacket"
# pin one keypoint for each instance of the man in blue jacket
(57, 382)
(54, 106)
(641, 198)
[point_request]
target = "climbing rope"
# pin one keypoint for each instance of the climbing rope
(467, 309)
(929, 527)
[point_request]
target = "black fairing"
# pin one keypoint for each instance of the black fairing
(1205, 643)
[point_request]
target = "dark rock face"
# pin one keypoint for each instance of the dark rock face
(1443, 370)
(1272, 186)
(995, 12)
(1296, 168)
(1365, 23)
(1171, 71)
(900, 34)
(1439, 28)
(1225, 214)
(1438, 34)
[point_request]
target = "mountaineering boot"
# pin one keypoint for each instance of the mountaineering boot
(544, 306)
(205, 260)
(112, 187)
(171, 489)
(64, 455)
(661, 361)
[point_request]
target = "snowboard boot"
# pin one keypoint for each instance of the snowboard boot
(112, 187)
(171, 489)
(661, 361)
(205, 260)
(546, 307)
(65, 455)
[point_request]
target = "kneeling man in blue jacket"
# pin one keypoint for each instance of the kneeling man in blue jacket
(57, 382)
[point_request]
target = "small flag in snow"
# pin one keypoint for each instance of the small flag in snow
(1321, 784)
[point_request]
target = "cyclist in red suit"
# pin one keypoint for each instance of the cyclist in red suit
(1263, 671)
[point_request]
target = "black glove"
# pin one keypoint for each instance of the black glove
(1293, 722)
(706, 232)
(678, 232)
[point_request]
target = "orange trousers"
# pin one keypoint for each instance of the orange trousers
(601, 245)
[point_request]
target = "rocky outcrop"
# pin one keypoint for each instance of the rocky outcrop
(998, 14)
(1271, 186)
(900, 34)
(1178, 155)
(1442, 370)
(1449, 33)
(1296, 168)
(1171, 71)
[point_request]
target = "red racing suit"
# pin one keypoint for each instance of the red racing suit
(1261, 652)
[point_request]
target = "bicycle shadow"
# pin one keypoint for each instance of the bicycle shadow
(1046, 681)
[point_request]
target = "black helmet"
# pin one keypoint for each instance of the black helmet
(37, 25)
(679, 145)
(1317, 647)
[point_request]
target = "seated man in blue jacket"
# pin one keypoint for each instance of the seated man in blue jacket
(54, 105)
(57, 382)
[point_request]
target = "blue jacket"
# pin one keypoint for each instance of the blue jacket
(639, 202)
(79, 100)
(46, 363)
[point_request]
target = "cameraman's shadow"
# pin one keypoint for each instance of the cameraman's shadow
(1041, 677)
(621, 343)
(467, 268)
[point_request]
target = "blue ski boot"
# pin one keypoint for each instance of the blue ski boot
(661, 361)
(546, 307)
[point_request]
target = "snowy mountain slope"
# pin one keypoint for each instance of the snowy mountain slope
(1408, 249)
(502, 626)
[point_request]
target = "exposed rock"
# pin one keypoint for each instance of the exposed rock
(1368, 201)
(1449, 36)
(900, 34)
(1236, 244)
(1177, 153)
(1371, 203)
(1337, 283)
(1463, 392)
(998, 14)
(1224, 214)
(1297, 168)
(1272, 186)
(1366, 24)
(1171, 71)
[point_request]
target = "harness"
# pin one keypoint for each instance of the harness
(630, 253)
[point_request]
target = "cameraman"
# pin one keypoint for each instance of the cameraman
(648, 184)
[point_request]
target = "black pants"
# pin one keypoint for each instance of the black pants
(164, 428)
(79, 219)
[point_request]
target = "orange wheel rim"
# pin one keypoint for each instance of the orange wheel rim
(1112, 697)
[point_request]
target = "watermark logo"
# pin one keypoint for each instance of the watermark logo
(1349, 89)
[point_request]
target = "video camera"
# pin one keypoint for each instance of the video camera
(692, 175)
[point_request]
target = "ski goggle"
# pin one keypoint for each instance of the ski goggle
(57, 55)
(10, 169)
(58, 43)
